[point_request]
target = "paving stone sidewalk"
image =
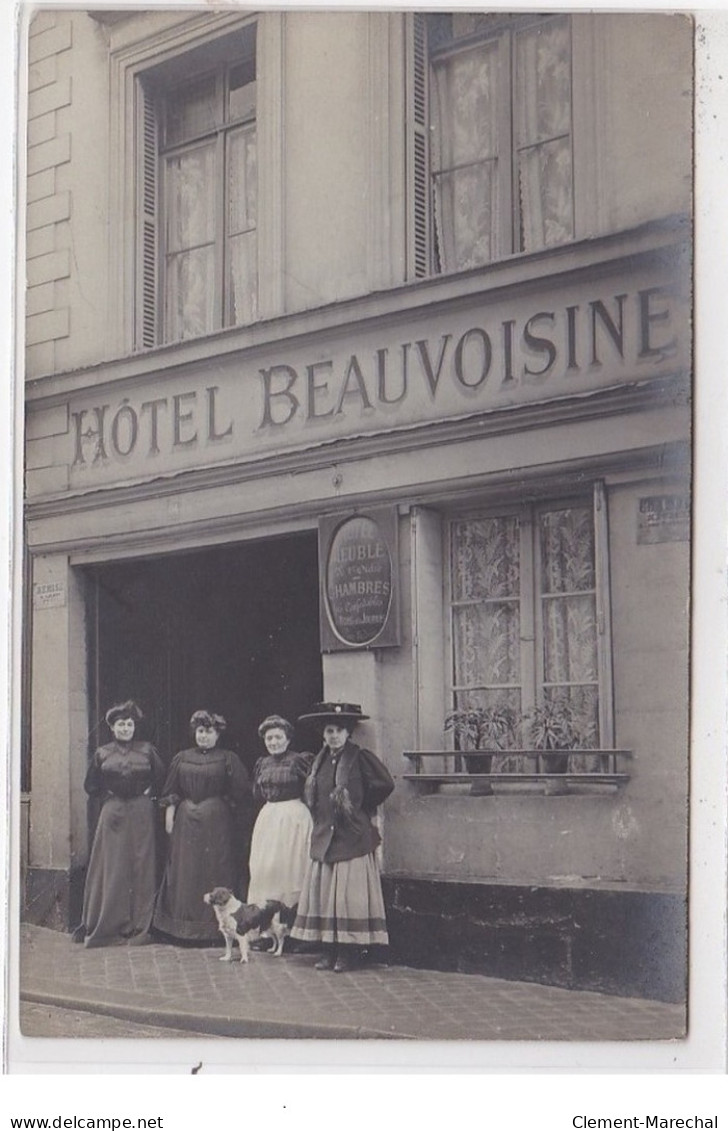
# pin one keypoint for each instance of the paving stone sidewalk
(190, 989)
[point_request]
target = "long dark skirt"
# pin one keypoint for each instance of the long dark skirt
(118, 899)
(201, 857)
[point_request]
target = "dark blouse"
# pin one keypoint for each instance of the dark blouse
(280, 777)
(196, 775)
(339, 834)
(126, 770)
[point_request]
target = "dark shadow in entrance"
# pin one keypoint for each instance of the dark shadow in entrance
(233, 629)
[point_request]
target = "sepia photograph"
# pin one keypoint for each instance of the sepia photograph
(357, 507)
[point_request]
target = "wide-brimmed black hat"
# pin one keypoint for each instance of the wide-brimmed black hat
(334, 713)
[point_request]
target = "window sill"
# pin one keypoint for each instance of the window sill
(608, 777)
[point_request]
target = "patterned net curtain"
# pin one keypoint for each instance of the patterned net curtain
(242, 182)
(486, 594)
(242, 198)
(465, 158)
(569, 627)
(485, 118)
(203, 268)
(486, 629)
(190, 244)
(543, 135)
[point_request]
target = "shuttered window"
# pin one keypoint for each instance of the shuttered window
(197, 257)
(491, 97)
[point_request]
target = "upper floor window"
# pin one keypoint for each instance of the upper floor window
(494, 137)
(198, 191)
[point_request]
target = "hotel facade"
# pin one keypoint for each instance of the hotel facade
(358, 368)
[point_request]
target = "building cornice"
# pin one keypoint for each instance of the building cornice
(561, 476)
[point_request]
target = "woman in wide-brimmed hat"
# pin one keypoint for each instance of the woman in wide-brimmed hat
(207, 792)
(279, 850)
(341, 905)
(125, 775)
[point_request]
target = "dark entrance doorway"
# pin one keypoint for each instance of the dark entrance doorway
(232, 629)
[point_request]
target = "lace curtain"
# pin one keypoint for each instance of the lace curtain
(192, 254)
(242, 181)
(200, 242)
(543, 134)
(190, 243)
(486, 615)
(486, 595)
(476, 121)
(465, 157)
(568, 612)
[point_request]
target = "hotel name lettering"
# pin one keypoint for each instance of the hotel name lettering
(549, 351)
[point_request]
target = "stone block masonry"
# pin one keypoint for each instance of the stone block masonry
(49, 147)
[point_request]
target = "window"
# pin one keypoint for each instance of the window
(197, 268)
(492, 139)
(529, 631)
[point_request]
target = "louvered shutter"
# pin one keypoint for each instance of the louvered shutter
(417, 149)
(147, 274)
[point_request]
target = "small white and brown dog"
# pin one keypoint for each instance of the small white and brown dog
(245, 921)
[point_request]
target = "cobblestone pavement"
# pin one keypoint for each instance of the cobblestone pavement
(189, 989)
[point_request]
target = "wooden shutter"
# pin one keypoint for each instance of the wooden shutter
(147, 273)
(417, 150)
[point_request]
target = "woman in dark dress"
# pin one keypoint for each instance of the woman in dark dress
(204, 786)
(341, 905)
(279, 850)
(125, 775)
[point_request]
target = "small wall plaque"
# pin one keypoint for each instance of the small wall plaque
(664, 518)
(49, 595)
(359, 576)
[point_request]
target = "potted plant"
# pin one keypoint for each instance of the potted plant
(552, 726)
(557, 725)
(514, 752)
(482, 729)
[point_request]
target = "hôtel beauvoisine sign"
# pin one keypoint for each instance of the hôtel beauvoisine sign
(359, 573)
(474, 355)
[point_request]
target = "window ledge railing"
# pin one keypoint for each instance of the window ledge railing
(544, 771)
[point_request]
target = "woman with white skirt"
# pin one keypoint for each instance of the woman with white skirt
(280, 847)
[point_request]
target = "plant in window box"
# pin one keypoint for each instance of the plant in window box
(558, 725)
(482, 730)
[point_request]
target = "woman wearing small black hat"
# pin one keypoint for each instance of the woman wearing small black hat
(125, 775)
(204, 784)
(341, 904)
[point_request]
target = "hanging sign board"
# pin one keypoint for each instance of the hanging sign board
(359, 578)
